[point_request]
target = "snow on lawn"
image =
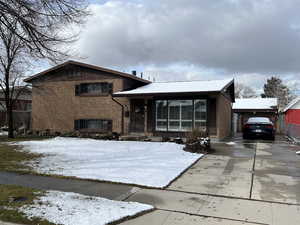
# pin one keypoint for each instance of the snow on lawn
(3, 133)
(71, 208)
(153, 164)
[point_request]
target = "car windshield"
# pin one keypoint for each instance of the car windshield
(259, 120)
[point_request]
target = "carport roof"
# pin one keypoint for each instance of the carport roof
(255, 104)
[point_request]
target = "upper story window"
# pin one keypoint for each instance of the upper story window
(93, 89)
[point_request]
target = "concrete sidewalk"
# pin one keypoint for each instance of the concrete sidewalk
(92, 188)
(6, 223)
(225, 208)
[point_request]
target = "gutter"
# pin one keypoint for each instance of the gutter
(122, 116)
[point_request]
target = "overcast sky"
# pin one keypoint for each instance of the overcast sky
(196, 39)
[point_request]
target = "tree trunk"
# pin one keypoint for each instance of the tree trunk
(9, 114)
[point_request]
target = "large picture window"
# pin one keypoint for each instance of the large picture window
(180, 115)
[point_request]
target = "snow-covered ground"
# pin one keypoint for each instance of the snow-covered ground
(3, 133)
(153, 164)
(70, 208)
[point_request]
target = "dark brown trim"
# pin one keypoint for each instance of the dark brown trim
(71, 62)
(169, 95)
(254, 110)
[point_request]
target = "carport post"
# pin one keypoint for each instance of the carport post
(145, 116)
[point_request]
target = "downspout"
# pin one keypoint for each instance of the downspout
(122, 116)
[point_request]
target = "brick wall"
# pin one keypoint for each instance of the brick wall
(55, 106)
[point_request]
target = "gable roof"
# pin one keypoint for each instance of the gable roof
(291, 104)
(98, 68)
(255, 103)
(178, 87)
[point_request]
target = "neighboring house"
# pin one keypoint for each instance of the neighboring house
(291, 115)
(21, 108)
(77, 96)
(244, 108)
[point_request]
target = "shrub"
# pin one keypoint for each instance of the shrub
(197, 141)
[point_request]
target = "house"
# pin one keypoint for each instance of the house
(21, 108)
(244, 108)
(77, 96)
(291, 115)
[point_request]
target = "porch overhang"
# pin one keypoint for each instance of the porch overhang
(165, 95)
(181, 89)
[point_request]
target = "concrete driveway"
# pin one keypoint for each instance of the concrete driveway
(242, 182)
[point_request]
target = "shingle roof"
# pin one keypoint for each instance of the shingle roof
(71, 62)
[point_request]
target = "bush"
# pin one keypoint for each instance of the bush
(197, 141)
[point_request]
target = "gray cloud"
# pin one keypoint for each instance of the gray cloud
(255, 38)
(235, 36)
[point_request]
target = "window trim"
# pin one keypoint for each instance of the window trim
(78, 89)
(180, 120)
(78, 125)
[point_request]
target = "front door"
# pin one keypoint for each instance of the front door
(137, 117)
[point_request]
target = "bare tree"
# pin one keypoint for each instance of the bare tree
(243, 91)
(41, 24)
(33, 29)
(13, 56)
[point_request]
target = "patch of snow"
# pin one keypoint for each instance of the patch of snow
(70, 208)
(153, 164)
(179, 86)
(298, 153)
(255, 103)
(230, 143)
(3, 133)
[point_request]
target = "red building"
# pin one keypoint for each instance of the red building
(292, 112)
(292, 118)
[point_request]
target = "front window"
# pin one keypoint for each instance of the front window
(93, 125)
(180, 115)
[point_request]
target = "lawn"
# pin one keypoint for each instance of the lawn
(152, 164)
(11, 158)
(9, 204)
(34, 207)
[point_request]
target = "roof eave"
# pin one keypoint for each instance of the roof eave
(71, 62)
(163, 94)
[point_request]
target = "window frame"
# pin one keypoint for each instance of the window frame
(193, 120)
(80, 89)
(82, 125)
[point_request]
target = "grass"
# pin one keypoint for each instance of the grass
(9, 208)
(11, 157)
